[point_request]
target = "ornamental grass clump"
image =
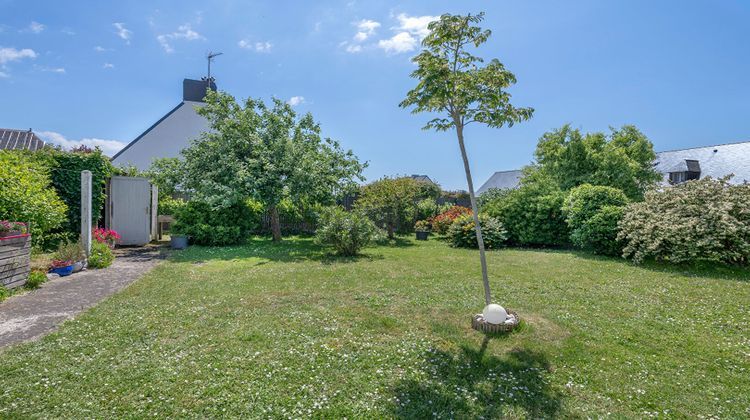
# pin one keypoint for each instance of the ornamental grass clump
(703, 220)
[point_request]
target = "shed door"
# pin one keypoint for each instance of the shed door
(130, 209)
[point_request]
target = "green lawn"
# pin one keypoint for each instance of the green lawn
(270, 330)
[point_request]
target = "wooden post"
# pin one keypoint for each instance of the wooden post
(86, 211)
(154, 212)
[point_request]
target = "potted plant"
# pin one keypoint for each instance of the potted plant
(177, 240)
(422, 228)
(8, 228)
(69, 253)
(62, 267)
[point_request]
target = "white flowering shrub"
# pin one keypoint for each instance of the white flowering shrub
(704, 220)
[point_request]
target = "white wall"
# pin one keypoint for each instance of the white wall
(166, 139)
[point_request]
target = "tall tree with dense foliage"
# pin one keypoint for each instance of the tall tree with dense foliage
(267, 153)
(459, 87)
(623, 159)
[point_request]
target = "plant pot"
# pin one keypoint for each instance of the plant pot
(78, 266)
(422, 236)
(178, 241)
(62, 271)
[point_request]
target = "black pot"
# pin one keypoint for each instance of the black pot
(178, 241)
(422, 236)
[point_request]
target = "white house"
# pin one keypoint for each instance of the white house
(171, 133)
(676, 166)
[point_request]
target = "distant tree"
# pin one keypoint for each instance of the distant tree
(390, 202)
(265, 153)
(623, 159)
(463, 90)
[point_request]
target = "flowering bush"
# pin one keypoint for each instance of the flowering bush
(443, 221)
(6, 227)
(462, 233)
(106, 236)
(703, 220)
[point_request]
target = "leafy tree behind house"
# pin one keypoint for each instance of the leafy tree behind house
(267, 153)
(623, 159)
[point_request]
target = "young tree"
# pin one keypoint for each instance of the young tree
(265, 153)
(457, 84)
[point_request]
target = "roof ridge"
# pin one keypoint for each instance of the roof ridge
(705, 147)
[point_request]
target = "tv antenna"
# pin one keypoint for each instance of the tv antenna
(210, 57)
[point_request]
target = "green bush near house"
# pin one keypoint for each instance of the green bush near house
(592, 213)
(462, 234)
(26, 195)
(703, 220)
(101, 256)
(346, 232)
(532, 214)
(206, 225)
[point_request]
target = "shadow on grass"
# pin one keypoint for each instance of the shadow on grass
(292, 249)
(699, 269)
(470, 384)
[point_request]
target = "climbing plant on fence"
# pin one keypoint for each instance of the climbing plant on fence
(65, 173)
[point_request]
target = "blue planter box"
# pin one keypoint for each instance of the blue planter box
(62, 271)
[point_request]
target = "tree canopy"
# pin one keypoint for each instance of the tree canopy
(267, 153)
(623, 159)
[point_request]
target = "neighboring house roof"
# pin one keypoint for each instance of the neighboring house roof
(11, 139)
(714, 161)
(504, 180)
(422, 178)
(171, 133)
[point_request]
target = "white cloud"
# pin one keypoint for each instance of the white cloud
(365, 29)
(59, 70)
(296, 100)
(67, 31)
(99, 48)
(108, 66)
(353, 48)
(399, 43)
(183, 32)
(11, 54)
(262, 47)
(4, 75)
(123, 32)
(409, 33)
(36, 27)
(109, 147)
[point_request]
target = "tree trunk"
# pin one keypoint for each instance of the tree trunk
(391, 231)
(275, 225)
(477, 226)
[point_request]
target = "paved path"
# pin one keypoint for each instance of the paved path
(35, 314)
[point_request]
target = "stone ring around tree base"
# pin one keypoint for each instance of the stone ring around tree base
(479, 324)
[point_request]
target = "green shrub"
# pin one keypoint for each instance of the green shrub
(346, 232)
(422, 226)
(703, 220)
(427, 208)
(36, 278)
(26, 196)
(491, 195)
(101, 256)
(591, 226)
(462, 232)
(208, 226)
(390, 203)
(170, 206)
(531, 214)
(4, 293)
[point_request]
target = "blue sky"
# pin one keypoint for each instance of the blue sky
(98, 72)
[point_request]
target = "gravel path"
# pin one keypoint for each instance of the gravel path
(37, 313)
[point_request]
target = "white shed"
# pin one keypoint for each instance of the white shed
(170, 134)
